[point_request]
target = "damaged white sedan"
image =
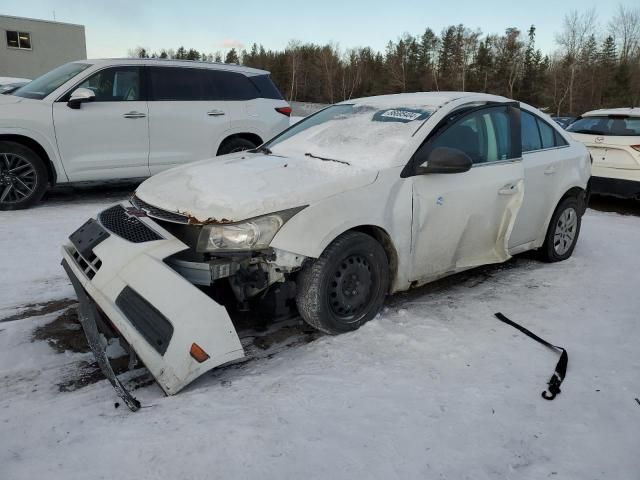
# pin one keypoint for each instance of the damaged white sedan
(360, 200)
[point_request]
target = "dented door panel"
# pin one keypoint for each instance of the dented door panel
(464, 220)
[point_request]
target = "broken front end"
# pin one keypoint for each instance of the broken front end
(165, 285)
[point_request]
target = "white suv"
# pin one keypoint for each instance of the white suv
(613, 138)
(98, 120)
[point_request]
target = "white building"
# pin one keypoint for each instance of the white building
(31, 47)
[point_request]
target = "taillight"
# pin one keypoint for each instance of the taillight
(284, 110)
(636, 147)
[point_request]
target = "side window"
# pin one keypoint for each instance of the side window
(176, 84)
(484, 135)
(224, 85)
(118, 84)
(529, 131)
(546, 132)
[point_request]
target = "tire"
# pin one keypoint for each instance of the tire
(23, 176)
(346, 286)
(564, 229)
(234, 145)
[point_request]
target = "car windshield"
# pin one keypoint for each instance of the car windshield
(47, 83)
(367, 136)
(615, 125)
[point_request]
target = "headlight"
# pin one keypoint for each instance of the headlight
(253, 234)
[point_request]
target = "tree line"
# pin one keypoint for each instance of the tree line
(591, 67)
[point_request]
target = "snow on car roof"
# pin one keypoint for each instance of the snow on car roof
(632, 112)
(430, 99)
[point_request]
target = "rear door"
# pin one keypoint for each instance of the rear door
(543, 157)
(465, 219)
(109, 137)
(187, 121)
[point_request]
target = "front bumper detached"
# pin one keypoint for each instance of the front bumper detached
(118, 270)
(89, 317)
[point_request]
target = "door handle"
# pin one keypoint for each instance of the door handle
(508, 189)
(134, 114)
(550, 170)
(215, 113)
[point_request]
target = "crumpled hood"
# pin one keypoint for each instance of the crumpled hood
(246, 185)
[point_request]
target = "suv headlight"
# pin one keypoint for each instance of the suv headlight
(252, 234)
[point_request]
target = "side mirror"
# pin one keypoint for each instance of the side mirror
(443, 160)
(80, 96)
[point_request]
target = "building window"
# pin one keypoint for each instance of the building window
(19, 39)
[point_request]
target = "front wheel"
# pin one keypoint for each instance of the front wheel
(23, 176)
(234, 145)
(563, 231)
(346, 286)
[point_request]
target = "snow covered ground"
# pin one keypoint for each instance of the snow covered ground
(435, 387)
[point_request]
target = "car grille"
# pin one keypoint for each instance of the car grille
(158, 213)
(89, 266)
(116, 220)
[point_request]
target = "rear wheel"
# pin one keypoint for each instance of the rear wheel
(346, 286)
(23, 176)
(235, 145)
(563, 231)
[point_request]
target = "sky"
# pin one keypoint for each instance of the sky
(114, 27)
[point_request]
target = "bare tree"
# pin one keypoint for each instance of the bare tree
(292, 52)
(625, 27)
(577, 29)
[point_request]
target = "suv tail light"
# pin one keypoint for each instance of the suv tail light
(284, 110)
(636, 147)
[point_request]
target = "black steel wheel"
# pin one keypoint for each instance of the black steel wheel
(23, 177)
(346, 286)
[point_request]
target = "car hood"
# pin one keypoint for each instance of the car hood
(9, 99)
(245, 185)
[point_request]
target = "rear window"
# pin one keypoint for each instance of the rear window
(194, 84)
(266, 87)
(613, 125)
(224, 85)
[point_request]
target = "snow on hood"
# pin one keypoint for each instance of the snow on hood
(246, 185)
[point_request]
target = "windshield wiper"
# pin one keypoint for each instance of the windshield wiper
(262, 148)
(326, 159)
(588, 132)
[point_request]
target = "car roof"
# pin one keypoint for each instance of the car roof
(178, 63)
(632, 112)
(423, 99)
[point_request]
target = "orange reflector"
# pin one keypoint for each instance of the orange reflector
(198, 353)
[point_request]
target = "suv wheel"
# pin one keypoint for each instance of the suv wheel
(23, 176)
(563, 231)
(234, 145)
(346, 286)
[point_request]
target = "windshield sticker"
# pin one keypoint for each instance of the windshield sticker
(403, 115)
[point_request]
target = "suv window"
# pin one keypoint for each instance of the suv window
(222, 85)
(615, 125)
(176, 84)
(484, 135)
(266, 87)
(530, 133)
(117, 84)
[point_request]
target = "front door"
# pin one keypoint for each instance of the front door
(109, 137)
(465, 219)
